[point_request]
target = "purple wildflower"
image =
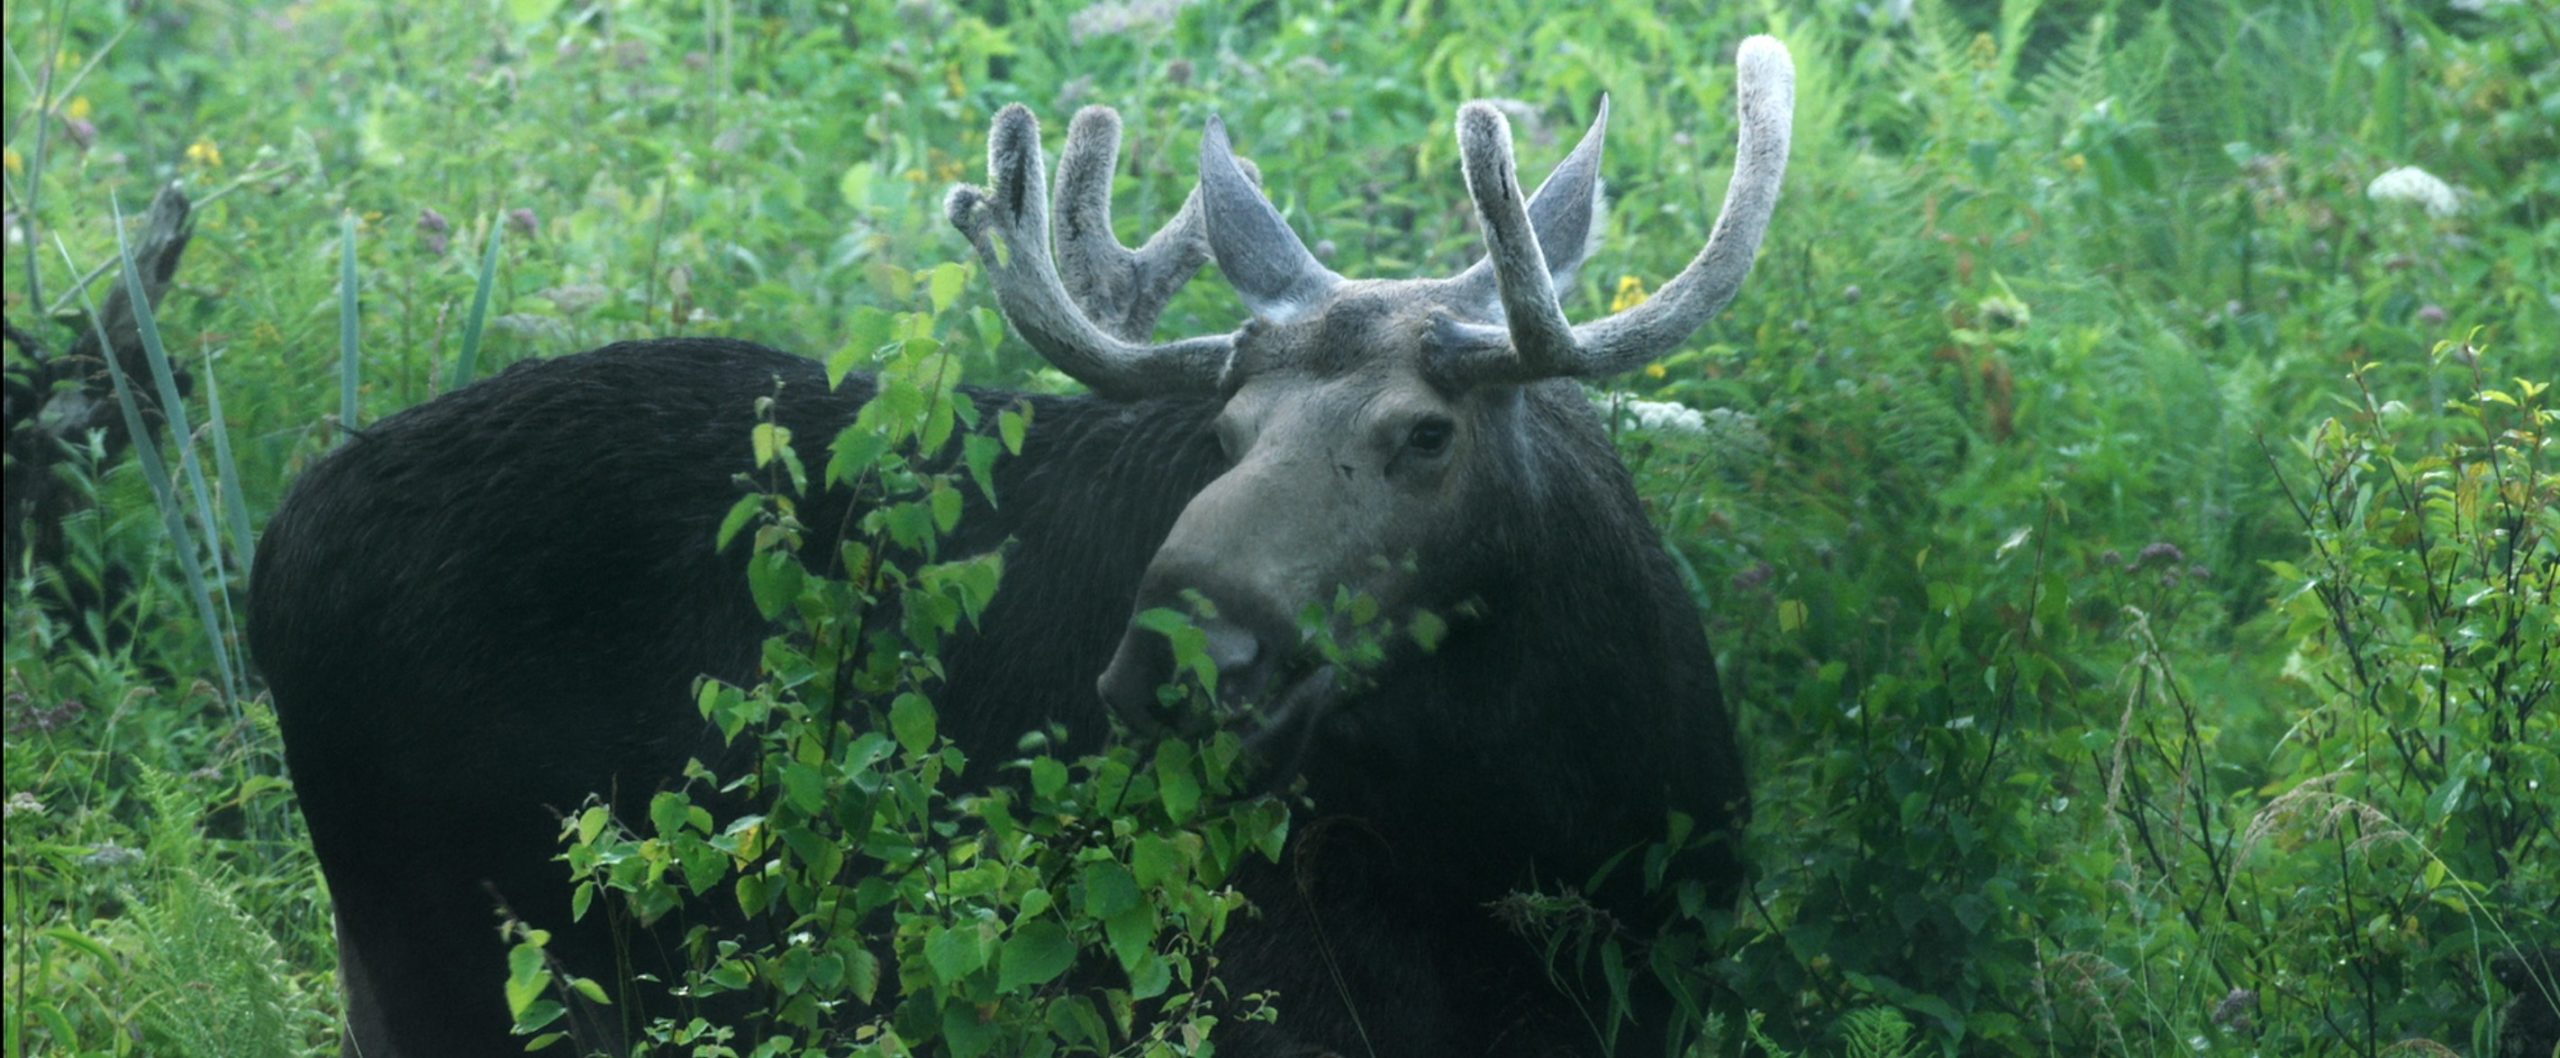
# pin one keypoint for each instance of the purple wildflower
(1754, 578)
(2158, 551)
(435, 232)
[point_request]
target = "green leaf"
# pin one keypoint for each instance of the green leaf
(855, 184)
(827, 971)
(865, 334)
(911, 718)
(969, 1032)
(979, 451)
(1156, 861)
(946, 507)
(526, 977)
(990, 324)
(804, 788)
(948, 280)
(1109, 890)
(1176, 785)
(2447, 798)
(667, 810)
(529, 14)
(1428, 630)
(1150, 977)
(774, 578)
(865, 983)
(740, 513)
(1132, 934)
(591, 823)
(1035, 955)
(1048, 776)
(855, 452)
(770, 440)
(956, 953)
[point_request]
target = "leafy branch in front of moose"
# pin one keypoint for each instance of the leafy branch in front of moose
(889, 899)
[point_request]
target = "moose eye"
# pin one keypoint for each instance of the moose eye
(1430, 435)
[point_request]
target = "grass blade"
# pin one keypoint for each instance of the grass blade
(173, 519)
(470, 359)
(347, 345)
(173, 408)
(234, 506)
(35, 172)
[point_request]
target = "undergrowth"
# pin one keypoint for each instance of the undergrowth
(2127, 527)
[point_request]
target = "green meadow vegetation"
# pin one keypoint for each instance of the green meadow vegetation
(2124, 498)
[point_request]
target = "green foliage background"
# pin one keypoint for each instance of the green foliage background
(2131, 545)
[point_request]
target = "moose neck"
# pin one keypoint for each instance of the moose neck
(1582, 632)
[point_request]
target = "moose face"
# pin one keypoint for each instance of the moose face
(1370, 426)
(1350, 469)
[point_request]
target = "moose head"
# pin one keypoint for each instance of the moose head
(1378, 433)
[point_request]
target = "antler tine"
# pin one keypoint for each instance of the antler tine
(1008, 224)
(1565, 211)
(1121, 290)
(1541, 340)
(1631, 339)
(1635, 337)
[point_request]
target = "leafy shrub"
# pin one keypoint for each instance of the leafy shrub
(1054, 908)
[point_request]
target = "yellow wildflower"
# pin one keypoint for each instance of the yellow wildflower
(204, 153)
(77, 109)
(1631, 293)
(1655, 371)
(2077, 163)
(9, 159)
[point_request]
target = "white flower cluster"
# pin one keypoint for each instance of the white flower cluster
(1735, 433)
(2412, 184)
(1662, 416)
(1123, 18)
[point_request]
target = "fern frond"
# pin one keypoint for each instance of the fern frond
(1877, 1032)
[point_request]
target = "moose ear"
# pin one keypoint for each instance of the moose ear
(1278, 279)
(1565, 211)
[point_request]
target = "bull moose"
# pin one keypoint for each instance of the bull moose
(485, 608)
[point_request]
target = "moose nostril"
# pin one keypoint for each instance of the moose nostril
(1128, 686)
(1238, 650)
(1230, 647)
